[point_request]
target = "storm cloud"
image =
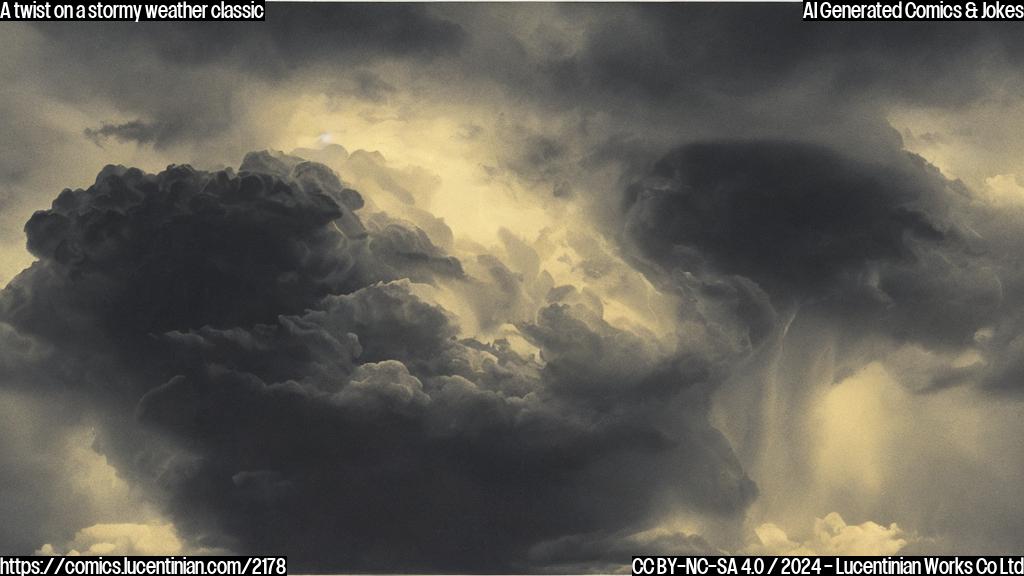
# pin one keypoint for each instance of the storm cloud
(873, 243)
(290, 389)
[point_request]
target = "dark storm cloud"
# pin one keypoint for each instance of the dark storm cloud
(651, 52)
(871, 243)
(177, 83)
(134, 131)
(290, 390)
(297, 35)
(664, 52)
(663, 74)
(644, 66)
(714, 48)
(749, 205)
(481, 456)
(321, 32)
(136, 254)
(407, 250)
(856, 262)
(129, 246)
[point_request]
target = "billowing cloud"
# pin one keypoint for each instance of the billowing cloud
(832, 536)
(120, 539)
(258, 359)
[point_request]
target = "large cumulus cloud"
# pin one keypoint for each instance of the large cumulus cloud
(258, 358)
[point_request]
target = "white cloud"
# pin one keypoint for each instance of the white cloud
(832, 536)
(126, 539)
(120, 539)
